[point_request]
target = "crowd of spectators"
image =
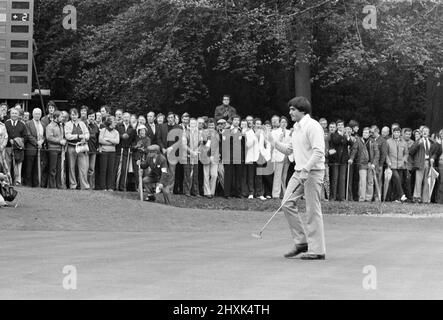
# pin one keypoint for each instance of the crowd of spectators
(225, 155)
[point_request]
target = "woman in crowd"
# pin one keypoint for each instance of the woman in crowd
(108, 139)
(77, 134)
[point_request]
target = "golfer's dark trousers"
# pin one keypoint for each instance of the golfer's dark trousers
(338, 181)
(54, 164)
(107, 171)
(190, 183)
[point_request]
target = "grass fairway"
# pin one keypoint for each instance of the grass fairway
(126, 249)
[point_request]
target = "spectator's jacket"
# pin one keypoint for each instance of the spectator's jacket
(54, 135)
(409, 164)
(436, 152)
(264, 148)
(277, 156)
(18, 131)
(140, 147)
(128, 142)
(211, 147)
(223, 112)
(192, 140)
(397, 157)
(233, 146)
(417, 152)
(108, 140)
(72, 138)
(3, 136)
(340, 144)
(156, 167)
(383, 147)
(94, 132)
(162, 136)
(31, 144)
(360, 153)
(45, 121)
(151, 134)
(252, 147)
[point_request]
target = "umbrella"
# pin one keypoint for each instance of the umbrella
(432, 177)
(377, 186)
(388, 176)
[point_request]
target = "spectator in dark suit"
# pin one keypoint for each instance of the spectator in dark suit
(152, 127)
(383, 149)
(33, 145)
(338, 158)
(94, 132)
(169, 135)
(225, 111)
(17, 135)
(127, 140)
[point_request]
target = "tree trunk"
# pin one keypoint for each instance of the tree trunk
(434, 110)
(302, 67)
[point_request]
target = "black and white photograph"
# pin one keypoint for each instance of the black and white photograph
(229, 152)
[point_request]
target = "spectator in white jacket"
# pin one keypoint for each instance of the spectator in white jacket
(277, 158)
(251, 155)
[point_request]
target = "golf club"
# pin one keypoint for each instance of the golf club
(259, 235)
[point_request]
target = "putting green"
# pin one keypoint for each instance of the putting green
(123, 249)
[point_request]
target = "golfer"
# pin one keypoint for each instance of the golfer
(308, 146)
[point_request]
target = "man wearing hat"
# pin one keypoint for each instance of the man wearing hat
(155, 174)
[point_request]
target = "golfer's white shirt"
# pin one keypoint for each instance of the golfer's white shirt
(308, 145)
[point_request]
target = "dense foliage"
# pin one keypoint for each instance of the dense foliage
(184, 54)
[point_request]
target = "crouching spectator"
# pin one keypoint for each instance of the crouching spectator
(156, 174)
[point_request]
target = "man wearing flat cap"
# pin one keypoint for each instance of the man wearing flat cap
(156, 175)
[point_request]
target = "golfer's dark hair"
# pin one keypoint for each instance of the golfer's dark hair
(301, 104)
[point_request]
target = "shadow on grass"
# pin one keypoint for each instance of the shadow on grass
(333, 207)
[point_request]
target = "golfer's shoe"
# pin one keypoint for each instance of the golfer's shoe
(312, 256)
(298, 248)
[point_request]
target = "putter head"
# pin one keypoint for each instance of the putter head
(256, 235)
